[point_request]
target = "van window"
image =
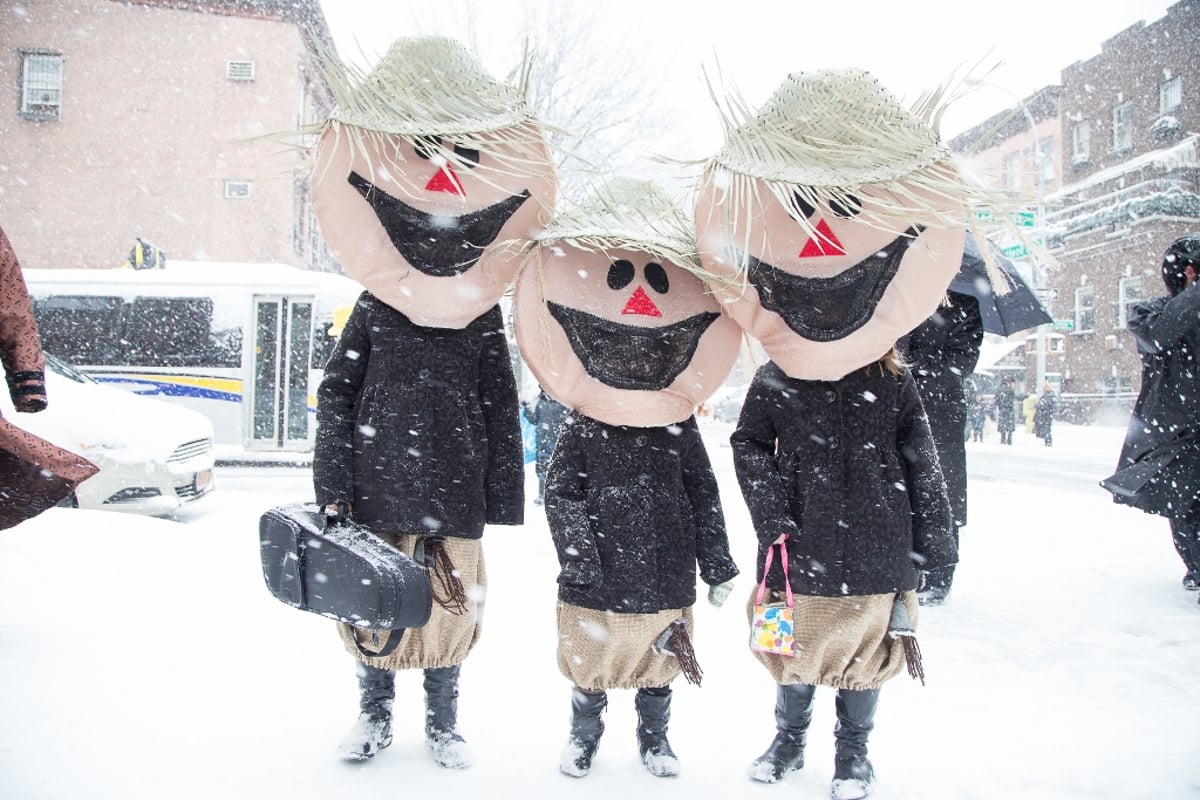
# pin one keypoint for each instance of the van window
(144, 332)
(176, 332)
(80, 329)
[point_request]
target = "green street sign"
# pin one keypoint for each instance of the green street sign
(1015, 251)
(1026, 219)
(1063, 325)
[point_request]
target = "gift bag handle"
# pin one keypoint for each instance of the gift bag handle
(787, 581)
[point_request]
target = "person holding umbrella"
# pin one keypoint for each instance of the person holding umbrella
(1159, 467)
(1006, 311)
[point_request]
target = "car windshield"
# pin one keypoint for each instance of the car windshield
(61, 367)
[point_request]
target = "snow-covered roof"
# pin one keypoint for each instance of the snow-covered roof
(1178, 156)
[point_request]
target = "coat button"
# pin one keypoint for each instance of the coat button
(423, 374)
(643, 479)
(833, 443)
(640, 442)
(830, 395)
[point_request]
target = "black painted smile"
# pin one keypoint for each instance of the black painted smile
(631, 357)
(827, 309)
(439, 246)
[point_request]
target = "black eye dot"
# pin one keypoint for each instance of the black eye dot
(806, 208)
(656, 276)
(427, 146)
(620, 273)
(469, 156)
(846, 207)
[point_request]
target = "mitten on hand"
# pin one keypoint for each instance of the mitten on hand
(28, 391)
(719, 593)
(337, 512)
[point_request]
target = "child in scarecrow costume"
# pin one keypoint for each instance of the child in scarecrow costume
(614, 321)
(425, 174)
(836, 220)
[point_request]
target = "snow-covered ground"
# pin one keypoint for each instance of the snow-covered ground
(144, 658)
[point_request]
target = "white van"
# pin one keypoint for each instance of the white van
(243, 344)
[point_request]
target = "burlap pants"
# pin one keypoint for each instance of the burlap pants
(841, 642)
(448, 637)
(602, 650)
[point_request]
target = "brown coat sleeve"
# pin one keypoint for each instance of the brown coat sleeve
(20, 347)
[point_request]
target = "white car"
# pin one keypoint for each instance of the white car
(154, 456)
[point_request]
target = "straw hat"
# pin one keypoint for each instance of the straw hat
(831, 128)
(424, 86)
(630, 214)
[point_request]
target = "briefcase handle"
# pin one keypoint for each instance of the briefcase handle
(332, 519)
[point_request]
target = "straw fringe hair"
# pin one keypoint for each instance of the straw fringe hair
(823, 136)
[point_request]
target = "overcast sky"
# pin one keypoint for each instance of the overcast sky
(909, 47)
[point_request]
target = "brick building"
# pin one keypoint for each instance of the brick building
(1131, 156)
(140, 118)
(1123, 183)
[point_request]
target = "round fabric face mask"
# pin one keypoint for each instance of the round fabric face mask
(825, 285)
(620, 335)
(431, 225)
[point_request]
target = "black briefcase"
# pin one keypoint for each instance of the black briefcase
(344, 572)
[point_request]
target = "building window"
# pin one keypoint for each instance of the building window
(1045, 160)
(1170, 95)
(1081, 142)
(1085, 309)
(1012, 170)
(239, 70)
(237, 190)
(1129, 291)
(1122, 126)
(41, 84)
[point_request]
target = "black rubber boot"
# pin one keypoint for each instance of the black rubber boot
(449, 748)
(853, 776)
(372, 730)
(654, 712)
(793, 713)
(587, 726)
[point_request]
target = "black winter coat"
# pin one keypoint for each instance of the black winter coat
(418, 427)
(849, 471)
(632, 511)
(942, 352)
(1166, 414)
(1006, 414)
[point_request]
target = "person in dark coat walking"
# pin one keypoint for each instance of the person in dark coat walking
(1043, 414)
(942, 352)
(418, 431)
(547, 417)
(1006, 413)
(621, 329)
(1163, 438)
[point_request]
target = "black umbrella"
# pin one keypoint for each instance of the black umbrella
(1018, 310)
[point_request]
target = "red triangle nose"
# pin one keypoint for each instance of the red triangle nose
(444, 180)
(823, 243)
(640, 303)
